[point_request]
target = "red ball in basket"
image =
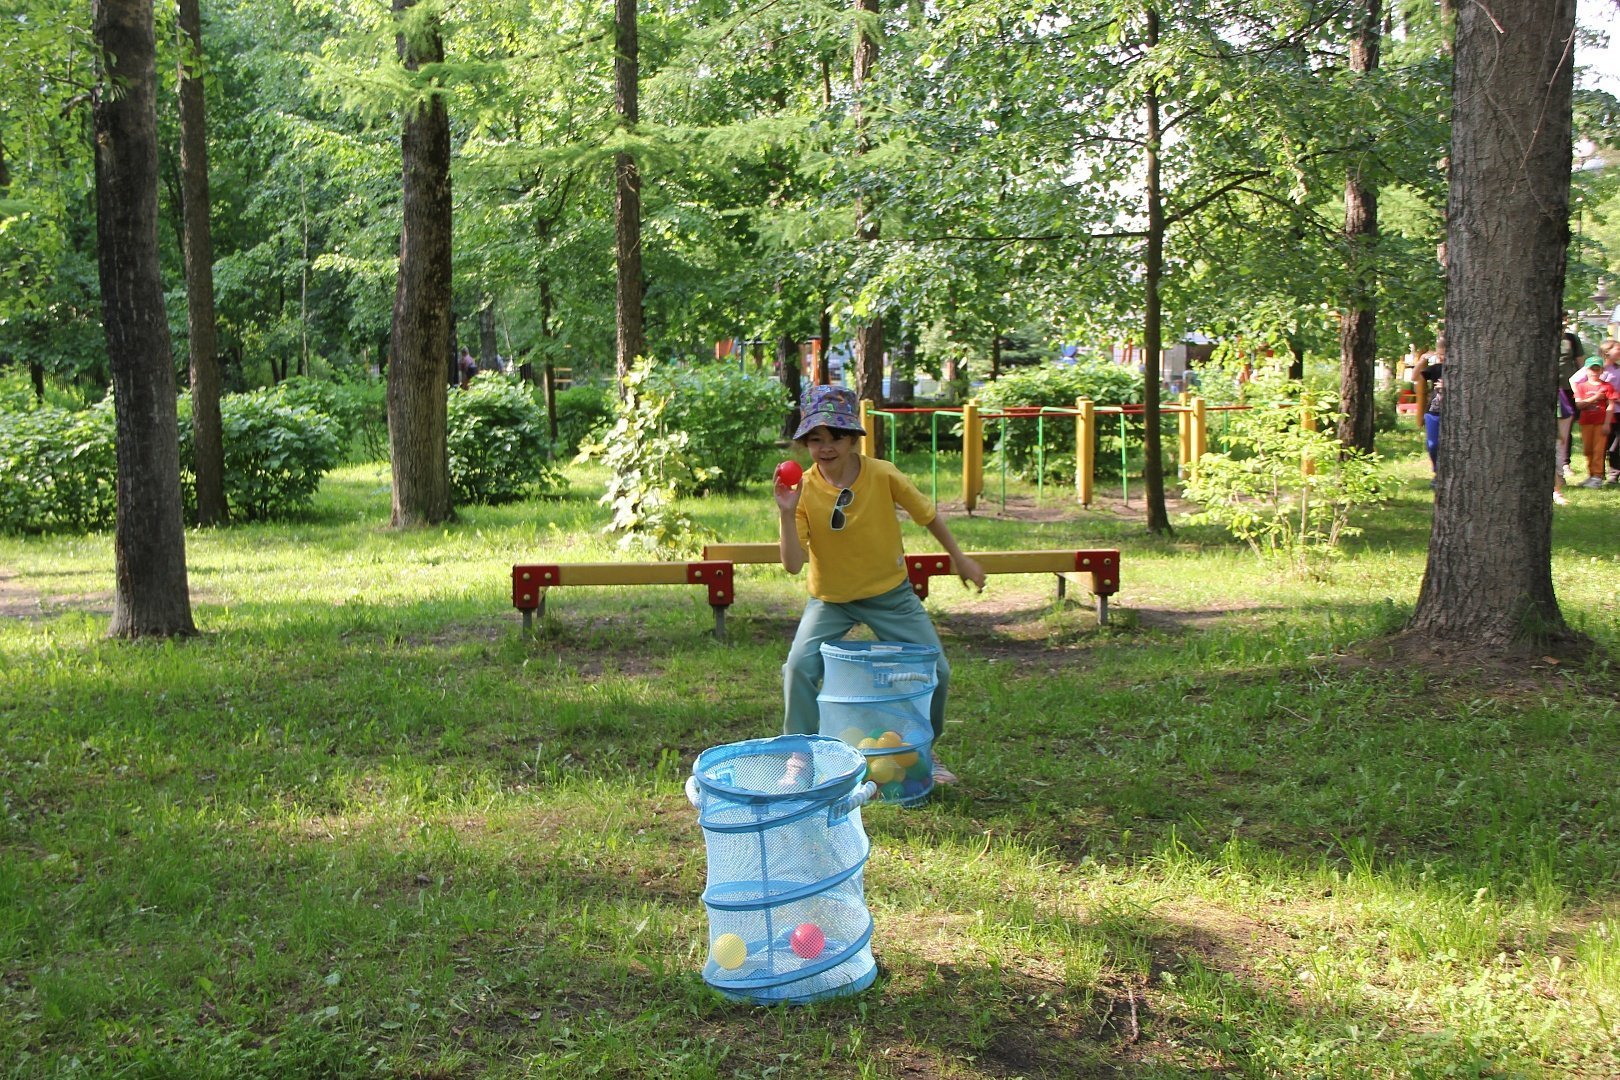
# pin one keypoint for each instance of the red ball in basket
(788, 474)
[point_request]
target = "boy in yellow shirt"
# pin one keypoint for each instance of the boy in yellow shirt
(841, 519)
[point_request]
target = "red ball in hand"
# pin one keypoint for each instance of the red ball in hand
(788, 474)
(807, 940)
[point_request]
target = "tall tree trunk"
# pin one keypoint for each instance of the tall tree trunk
(1158, 517)
(630, 338)
(417, 387)
(151, 595)
(208, 440)
(1358, 337)
(868, 375)
(1488, 582)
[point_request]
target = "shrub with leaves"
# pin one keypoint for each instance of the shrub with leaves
(499, 449)
(275, 454)
(1058, 386)
(1260, 491)
(360, 409)
(58, 469)
(731, 419)
(651, 470)
(580, 411)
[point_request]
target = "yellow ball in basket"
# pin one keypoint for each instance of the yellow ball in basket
(890, 739)
(729, 951)
(883, 769)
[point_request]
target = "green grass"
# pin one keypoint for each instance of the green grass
(363, 826)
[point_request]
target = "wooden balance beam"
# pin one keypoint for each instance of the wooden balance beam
(531, 580)
(1097, 568)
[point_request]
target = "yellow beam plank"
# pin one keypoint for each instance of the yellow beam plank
(655, 573)
(743, 553)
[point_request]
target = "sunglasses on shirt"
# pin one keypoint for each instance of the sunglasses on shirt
(845, 497)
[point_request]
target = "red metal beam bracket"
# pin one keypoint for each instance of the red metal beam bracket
(1103, 566)
(919, 568)
(529, 584)
(717, 575)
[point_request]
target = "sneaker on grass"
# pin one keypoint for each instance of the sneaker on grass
(1559, 500)
(943, 775)
(1592, 482)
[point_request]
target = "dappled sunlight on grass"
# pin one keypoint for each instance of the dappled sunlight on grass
(362, 823)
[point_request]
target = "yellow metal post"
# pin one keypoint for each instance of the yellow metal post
(872, 441)
(1200, 430)
(972, 454)
(1184, 439)
(1085, 448)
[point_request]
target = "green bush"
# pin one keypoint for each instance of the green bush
(1058, 386)
(651, 470)
(731, 419)
(580, 411)
(58, 469)
(1259, 492)
(499, 449)
(275, 454)
(359, 408)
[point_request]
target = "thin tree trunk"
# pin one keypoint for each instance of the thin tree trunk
(787, 361)
(1488, 583)
(868, 375)
(151, 595)
(487, 345)
(548, 369)
(1158, 517)
(1358, 337)
(630, 339)
(208, 441)
(417, 387)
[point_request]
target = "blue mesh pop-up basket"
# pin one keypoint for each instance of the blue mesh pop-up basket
(875, 696)
(782, 823)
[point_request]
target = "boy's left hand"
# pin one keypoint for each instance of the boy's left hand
(970, 572)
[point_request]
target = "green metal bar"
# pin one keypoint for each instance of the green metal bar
(1124, 465)
(1040, 456)
(1003, 463)
(893, 420)
(933, 484)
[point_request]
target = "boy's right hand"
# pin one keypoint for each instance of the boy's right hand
(788, 497)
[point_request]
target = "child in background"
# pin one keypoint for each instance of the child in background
(1592, 397)
(841, 519)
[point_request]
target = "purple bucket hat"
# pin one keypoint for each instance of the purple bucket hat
(834, 407)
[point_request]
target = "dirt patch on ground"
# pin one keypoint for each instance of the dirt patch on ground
(1500, 673)
(21, 601)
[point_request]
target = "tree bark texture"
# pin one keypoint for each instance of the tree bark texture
(868, 375)
(1358, 337)
(1488, 582)
(1158, 516)
(631, 336)
(151, 596)
(787, 362)
(207, 437)
(417, 383)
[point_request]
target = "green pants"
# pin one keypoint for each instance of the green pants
(896, 615)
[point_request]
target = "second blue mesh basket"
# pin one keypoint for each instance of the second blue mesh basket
(877, 696)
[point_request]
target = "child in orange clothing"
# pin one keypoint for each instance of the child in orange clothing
(1593, 397)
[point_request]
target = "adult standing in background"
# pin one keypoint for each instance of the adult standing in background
(1610, 351)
